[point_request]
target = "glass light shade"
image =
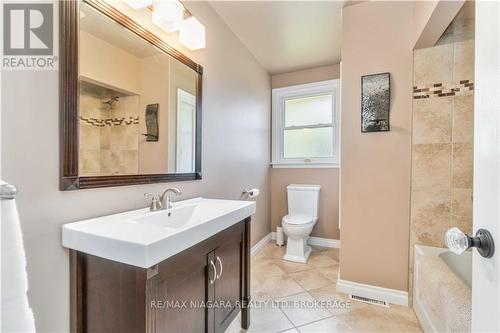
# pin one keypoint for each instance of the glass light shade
(168, 14)
(139, 4)
(192, 33)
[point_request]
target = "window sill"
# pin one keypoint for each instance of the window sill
(305, 165)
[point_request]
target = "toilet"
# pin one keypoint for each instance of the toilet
(303, 206)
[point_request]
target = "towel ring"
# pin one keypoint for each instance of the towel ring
(8, 192)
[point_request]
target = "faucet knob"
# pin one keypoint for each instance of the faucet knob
(458, 242)
(155, 201)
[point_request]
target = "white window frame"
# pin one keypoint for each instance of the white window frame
(279, 96)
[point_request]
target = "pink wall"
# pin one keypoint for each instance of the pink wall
(309, 75)
(375, 167)
(328, 178)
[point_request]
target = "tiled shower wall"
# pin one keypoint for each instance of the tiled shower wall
(109, 136)
(442, 135)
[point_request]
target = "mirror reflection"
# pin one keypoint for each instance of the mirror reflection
(137, 104)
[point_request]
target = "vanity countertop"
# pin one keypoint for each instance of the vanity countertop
(143, 238)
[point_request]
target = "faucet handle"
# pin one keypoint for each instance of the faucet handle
(155, 201)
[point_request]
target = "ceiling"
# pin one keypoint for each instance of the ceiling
(286, 36)
(98, 25)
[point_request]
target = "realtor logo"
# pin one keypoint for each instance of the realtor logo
(28, 29)
(29, 42)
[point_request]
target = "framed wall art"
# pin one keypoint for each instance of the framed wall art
(375, 102)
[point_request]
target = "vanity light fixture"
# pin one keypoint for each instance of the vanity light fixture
(168, 14)
(192, 33)
(139, 4)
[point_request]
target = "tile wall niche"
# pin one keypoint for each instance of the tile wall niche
(442, 135)
(109, 143)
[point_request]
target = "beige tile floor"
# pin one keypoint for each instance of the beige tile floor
(292, 297)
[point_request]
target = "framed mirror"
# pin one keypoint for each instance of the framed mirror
(130, 108)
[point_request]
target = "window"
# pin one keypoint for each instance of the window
(306, 126)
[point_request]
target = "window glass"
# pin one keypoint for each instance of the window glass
(308, 142)
(311, 110)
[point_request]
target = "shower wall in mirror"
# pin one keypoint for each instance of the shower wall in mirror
(138, 112)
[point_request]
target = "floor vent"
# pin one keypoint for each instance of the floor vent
(369, 300)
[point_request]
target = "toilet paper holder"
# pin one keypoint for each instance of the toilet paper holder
(7, 191)
(251, 192)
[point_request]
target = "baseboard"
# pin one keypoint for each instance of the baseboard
(392, 296)
(317, 241)
(324, 242)
(260, 244)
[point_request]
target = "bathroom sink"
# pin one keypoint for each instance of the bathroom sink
(173, 218)
(143, 238)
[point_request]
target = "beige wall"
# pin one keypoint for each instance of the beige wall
(182, 77)
(154, 75)
(327, 226)
(431, 18)
(422, 12)
(375, 167)
(111, 65)
(306, 76)
(328, 222)
(236, 154)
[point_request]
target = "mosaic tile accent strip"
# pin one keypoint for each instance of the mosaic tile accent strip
(111, 121)
(462, 87)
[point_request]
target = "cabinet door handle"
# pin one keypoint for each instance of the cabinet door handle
(220, 265)
(215, 272)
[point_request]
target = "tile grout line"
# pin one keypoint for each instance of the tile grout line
(289, 320)
(453, 60)
(314, 321)
(301, 325)
(287, 274)
(297, 326)
(294, 294)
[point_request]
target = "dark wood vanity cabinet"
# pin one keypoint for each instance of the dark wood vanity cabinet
(201, 289)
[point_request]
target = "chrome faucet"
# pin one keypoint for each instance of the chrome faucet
(165, 199)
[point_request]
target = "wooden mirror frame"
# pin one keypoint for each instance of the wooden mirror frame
(69, 17)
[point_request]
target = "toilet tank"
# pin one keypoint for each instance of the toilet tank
(303, 199)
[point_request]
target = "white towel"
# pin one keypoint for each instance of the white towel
(16, 312)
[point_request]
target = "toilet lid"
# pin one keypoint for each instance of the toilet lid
(298, 219)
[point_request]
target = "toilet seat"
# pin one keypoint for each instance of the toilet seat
(298, 219)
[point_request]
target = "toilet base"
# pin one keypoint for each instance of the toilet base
(297, 250)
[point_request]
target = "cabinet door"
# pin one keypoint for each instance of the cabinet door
(177, 290)
(228, 287)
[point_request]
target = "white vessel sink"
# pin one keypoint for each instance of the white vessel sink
(143, 238)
